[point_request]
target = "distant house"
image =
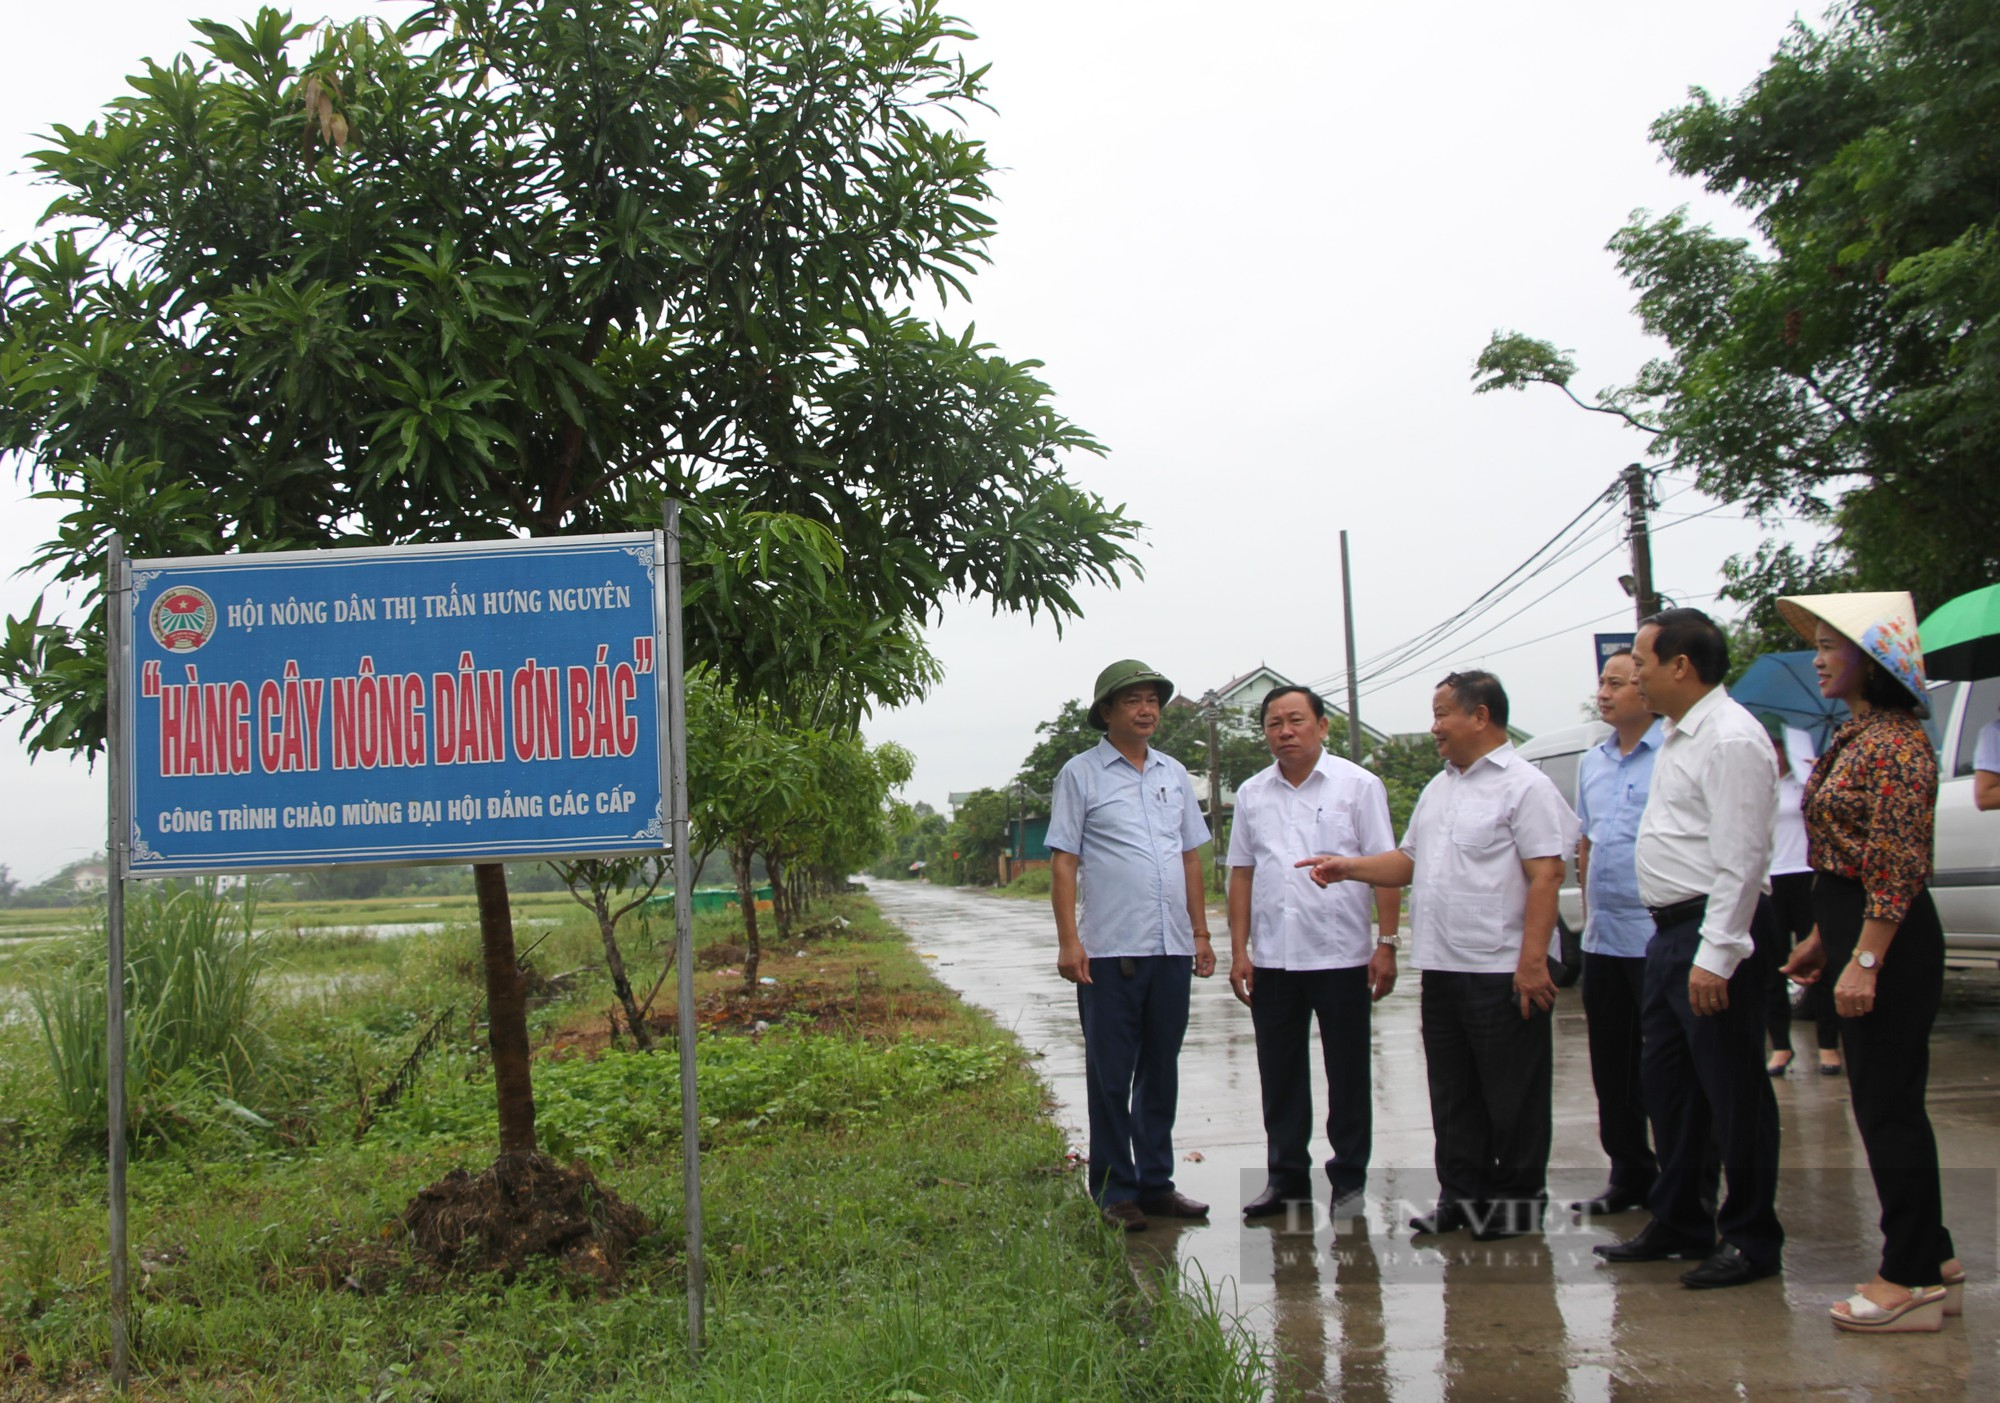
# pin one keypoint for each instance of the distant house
(1244, 695)
(89, 876)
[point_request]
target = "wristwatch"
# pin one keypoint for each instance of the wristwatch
(1394, 942)
(1867, 959)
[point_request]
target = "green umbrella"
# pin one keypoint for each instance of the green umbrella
(1962, 637)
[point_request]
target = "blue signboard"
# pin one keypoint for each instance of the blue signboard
(1609, 643)
(453, 703)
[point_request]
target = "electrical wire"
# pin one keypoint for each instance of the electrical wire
(1431, 660)
(1692, 516)
(1524, 643)
(1556, 549)
(1418, 654)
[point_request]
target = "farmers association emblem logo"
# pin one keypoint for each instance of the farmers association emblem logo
(183, 619)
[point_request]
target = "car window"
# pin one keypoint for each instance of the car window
(1939, 700)
(1982, 707)
(1562, 769)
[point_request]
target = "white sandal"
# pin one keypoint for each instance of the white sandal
(1922, 1312)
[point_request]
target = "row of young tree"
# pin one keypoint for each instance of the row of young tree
(808, 805)
(965, 850)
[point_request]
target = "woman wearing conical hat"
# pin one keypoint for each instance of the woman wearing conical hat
(1870, 808)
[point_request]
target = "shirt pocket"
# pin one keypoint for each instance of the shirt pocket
(1332, 831)
(1166, 801)
(1479, 828)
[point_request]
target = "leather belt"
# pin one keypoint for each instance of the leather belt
(1680, 912)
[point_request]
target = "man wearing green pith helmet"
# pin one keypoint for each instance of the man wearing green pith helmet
(1123, 829)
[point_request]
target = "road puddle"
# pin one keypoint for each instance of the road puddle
(1361, 1310)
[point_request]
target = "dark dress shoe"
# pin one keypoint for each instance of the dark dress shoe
(1173, 1205)
(1509, 1218)
(1611, 1199)
(1126, 1216)
(1653, 1244)
(1726, 1266)
(1277, 1199)
(1449, 1217)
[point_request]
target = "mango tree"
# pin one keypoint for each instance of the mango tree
(528, 267)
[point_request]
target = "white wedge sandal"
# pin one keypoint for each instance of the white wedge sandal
(1922, 1312)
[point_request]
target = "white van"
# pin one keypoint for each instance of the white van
(1966, 884)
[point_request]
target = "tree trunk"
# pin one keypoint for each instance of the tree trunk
(781, 897)
(506, 1012)
(746, 898)
(614, 960)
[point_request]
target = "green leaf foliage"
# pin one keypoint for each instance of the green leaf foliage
(1846, 366)
(534, 268)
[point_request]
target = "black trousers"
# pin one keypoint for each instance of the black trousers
(1706, 1089)
(1614, 988)
(1132, 1030)
(1888, 1072)
(1283, 1005)
(1491, 1076)
(1786, 917)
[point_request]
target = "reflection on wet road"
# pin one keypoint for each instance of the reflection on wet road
(1363, 1314)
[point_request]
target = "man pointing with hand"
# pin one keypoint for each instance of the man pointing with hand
(1483, 856)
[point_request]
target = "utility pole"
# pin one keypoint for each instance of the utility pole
(1644, 599)
(1353, 680)
(1016, 828)
(1211, 709)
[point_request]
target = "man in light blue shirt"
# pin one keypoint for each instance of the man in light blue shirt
(1123, 829)
(1611, 786)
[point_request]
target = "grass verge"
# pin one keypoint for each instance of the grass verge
(889, 1212)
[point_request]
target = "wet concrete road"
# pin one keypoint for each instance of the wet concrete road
(1362, 1314)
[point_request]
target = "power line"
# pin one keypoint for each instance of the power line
(1693, 516)
(1442, 637)
(1524, 643)
(1507, 585)
(1432, 658)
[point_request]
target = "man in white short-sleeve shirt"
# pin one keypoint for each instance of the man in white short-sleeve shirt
(1483, 856)
(1298, 953)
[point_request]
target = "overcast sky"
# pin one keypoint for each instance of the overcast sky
(1258, 247)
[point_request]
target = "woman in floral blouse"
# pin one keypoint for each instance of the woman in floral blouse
(1870, 807)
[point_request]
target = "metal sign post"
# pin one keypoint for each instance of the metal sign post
(117, 590)
(679, 836)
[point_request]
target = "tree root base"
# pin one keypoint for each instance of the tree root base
(522, 1207)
